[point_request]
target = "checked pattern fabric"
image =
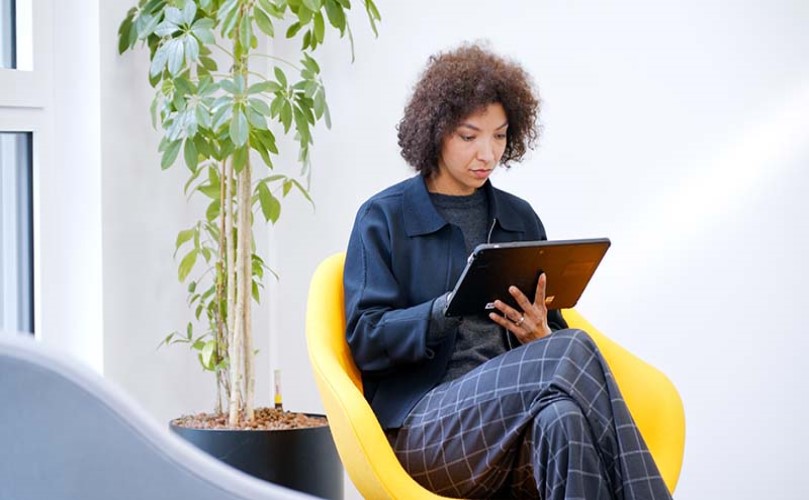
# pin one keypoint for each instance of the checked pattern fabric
(545, 420)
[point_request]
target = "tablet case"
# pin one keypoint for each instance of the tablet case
(493, 267)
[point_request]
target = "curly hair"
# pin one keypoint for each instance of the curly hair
(456, 84)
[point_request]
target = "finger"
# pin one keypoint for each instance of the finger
(539, 297)
(507, 311)
(506, 323)
(521, 299)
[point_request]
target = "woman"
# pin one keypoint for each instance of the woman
(513, 405)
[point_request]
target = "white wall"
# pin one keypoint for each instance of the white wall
(677, 129)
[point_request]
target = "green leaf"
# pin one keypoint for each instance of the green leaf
(207, 353)
(313, 5)
(203, 29)
(310, 63)
(286, 115)
(268, 140)
(173, 14)
(320, 27)
(170, 154)
(256, 294)
(159, 60)
(293, 29)
(174, 47)
(238, 128)
(213, 210)
(273, 9)
(184, 237)
(276, 105)
(280, 76)
(245, 31)
(319, 103)
(191, 46)
(124, 33)
(207, 62)
(266, 86)
(257, 145)
(189, 12)
(270, 206)
(212, 191)
(203, 148)
(190, 154)
(336, 16)
(228, 7)
(240, 158)
(256, 119)
(187, 264)
(146, 25)
(229, 24)
(264, 22)
(259, 106)
(229, 86)
(373, 15)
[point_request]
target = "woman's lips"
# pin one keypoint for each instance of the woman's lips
(481, 174)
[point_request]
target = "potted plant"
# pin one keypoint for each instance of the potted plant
(220, 116)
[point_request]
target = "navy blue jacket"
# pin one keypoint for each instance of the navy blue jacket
(401, 256)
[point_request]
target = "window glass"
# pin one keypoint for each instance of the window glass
(8, 34)
(16, 227)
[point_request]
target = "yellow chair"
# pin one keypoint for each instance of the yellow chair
(361, 443)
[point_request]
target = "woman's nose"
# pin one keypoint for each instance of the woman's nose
(486, 151)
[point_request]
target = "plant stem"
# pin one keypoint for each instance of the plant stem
(234, 347)
(246, 237)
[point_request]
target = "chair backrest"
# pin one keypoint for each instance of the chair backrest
(68, 433)
(361, 443)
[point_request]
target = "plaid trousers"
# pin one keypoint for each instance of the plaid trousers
(544, 420)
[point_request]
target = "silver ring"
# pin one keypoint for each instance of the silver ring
(519, 321)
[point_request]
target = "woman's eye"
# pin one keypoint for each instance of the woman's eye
(468, 138)
(500, 136)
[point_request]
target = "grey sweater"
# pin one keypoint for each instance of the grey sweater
(479, 339)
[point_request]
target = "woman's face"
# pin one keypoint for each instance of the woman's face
(470, 152)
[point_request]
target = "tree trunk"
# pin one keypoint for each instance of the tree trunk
(246, 240)
(234, 321)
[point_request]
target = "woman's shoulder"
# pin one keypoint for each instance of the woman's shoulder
(391, 196)
(510, 200)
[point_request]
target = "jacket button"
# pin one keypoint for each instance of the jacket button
(430, 353)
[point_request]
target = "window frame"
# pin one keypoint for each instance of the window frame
(26, 106)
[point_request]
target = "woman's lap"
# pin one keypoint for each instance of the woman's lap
(464, 438)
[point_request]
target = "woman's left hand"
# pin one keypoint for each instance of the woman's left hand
(529, 324)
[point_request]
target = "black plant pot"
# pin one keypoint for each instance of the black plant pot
(301, 459)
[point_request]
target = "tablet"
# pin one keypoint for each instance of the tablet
(493, 267)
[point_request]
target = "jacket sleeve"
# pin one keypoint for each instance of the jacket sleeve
(383, 330)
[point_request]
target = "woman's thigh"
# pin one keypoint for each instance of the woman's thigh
(463, 436)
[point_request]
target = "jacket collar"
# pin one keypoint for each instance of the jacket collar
(421, 216)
